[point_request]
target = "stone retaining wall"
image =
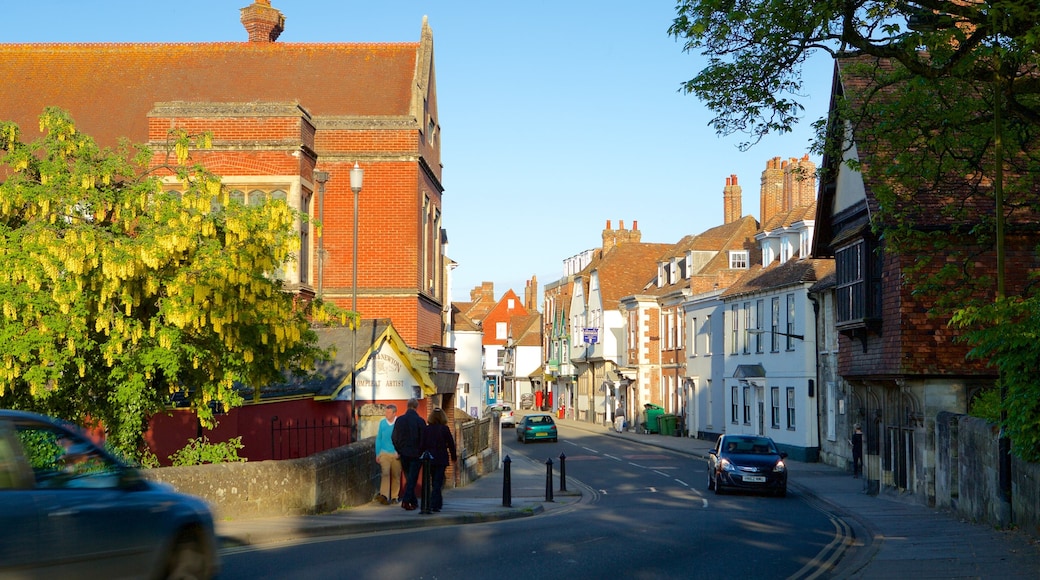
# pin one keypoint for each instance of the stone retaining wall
(967, 475)
(324, 482)
(341, 477)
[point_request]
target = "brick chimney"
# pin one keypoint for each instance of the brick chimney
(800, 182)
(772, 194)
(612, 238)
(731, 209)
(609, 239)
(531, 295)
(486, 291)
(262, 22)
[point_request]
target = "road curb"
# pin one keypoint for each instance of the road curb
(314, 529)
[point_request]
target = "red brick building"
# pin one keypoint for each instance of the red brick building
(282, 116)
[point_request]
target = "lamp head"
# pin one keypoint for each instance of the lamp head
(357, 177)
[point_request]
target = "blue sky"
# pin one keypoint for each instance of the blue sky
(555, 116)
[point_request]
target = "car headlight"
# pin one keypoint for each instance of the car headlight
(726, 465)
(780, 467)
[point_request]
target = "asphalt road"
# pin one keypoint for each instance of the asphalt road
(645, 513)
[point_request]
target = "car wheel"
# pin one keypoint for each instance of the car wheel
(718, 487)
(187, 559)
(711, 482)
(782, 492)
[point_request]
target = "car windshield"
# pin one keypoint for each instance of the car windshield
(540, 420)
(750, 445)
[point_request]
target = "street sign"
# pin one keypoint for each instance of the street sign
(591, 335)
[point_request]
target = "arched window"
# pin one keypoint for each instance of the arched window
(257, 197)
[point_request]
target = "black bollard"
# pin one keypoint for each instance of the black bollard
(563, 472)
(427, 484)
(507, 493)
(548, 480)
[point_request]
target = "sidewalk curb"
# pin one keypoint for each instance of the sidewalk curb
(333, 528)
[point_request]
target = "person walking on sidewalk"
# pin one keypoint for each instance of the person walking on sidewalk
(619, 419)
(388, 459)
(857, 452)
(437, 440)
(406, 438)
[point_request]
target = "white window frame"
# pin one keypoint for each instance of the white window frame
(738, 259)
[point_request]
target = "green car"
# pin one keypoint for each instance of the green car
(536, 427)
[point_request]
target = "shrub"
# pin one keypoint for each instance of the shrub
(986, 406)
(199, 451)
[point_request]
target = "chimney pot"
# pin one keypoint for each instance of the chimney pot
(262, 22)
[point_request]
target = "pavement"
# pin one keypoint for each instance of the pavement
(885, 536)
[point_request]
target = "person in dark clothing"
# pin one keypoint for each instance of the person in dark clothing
(857, 452)
(437, 440)
(406, 438)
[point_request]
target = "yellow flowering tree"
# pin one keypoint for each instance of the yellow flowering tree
(118, 295)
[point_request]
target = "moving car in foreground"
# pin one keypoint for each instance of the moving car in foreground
(747, 462)
(68, 510)
(535, 427)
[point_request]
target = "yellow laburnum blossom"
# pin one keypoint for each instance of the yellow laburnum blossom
(181, 150)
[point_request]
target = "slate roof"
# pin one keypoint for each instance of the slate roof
(624, 270)
(792, 216)
(527, 330)
(777, 275)
(461, 322)
(109, 88)
(328, 376)
(735, 235)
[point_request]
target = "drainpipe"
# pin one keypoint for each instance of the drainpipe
(816, 361)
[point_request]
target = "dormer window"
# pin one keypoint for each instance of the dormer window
(738, 260)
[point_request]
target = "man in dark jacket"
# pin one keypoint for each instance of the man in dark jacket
(406, 437)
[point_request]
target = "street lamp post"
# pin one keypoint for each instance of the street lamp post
(357, 176)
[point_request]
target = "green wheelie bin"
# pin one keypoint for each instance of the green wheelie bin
(667, 423)
(651, 417)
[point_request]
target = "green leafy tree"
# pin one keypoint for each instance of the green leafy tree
(116, 294)
(944, 98)
(756, 50)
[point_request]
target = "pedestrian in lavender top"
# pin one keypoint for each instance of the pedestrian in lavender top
(438, 441)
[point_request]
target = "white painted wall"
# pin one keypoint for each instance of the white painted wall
(469, 364)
